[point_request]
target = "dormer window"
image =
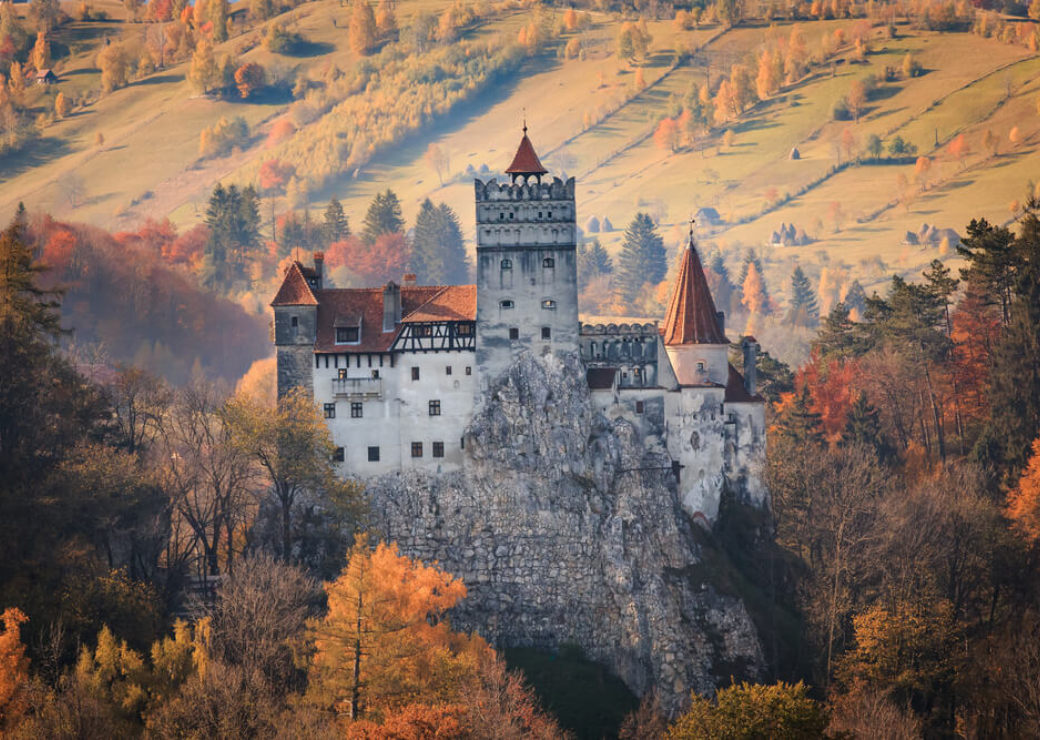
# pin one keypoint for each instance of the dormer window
(348, 334)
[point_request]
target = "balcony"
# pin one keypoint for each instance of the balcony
(357, 387)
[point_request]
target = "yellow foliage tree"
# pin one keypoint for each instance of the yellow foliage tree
(384, 642)
(112, 61)
(14, 669)
(1023, 507)
(62, 106)
(204, 73)
(753, 296)
(41, 53)
(386, 19)
(362, 32)
(1015, 136)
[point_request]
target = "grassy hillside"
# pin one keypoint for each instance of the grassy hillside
(149, 165)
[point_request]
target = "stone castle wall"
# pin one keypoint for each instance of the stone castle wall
(567, 527)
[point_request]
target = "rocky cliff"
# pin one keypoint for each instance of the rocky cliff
(566, 528)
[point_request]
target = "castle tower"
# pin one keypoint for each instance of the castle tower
(295, 326)
(693, 335)
(527, 278)
(695, 415)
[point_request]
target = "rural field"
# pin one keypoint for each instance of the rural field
(591, 118)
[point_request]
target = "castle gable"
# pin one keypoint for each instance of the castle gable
(295, 290)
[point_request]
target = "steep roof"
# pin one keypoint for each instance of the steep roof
(526, 162)
(691, 317)
(451, 303)
(735, 390)
(295, 291)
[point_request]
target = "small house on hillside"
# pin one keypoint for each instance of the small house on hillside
(46, 77)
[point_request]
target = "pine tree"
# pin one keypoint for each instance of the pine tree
(593, 261)
(643, 259)
(799, 422)
(438, 252)
(804, 310)
(863, 427)
(233, 218)
(383, 217)
(856, 298)
(336, 226)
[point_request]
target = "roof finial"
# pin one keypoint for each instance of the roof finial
(523, 113)
(692, 222)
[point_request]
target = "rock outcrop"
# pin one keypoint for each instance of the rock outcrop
(566, 528)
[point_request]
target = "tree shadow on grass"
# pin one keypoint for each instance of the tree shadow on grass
(35, 154)
(306, 49)
(160, 79)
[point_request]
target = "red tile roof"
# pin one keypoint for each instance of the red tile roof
(452, 303)
(526, 162)
(735, 390)
(691, 317)
(294, 290)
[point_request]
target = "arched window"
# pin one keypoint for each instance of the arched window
(549, 303)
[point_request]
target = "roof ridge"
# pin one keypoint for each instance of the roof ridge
(291, 298)
(428, 300)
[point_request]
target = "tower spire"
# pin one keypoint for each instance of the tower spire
(691, 317)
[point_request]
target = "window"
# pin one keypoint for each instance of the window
(415, 373)
(447, 370)
(700, 367)
(507, 264)
(549, 303)
(348, 335)
(465, 330)
(375, 374)
(330, 411)
(462, 443)
(357, 409)
(546, 332)
(373, 454)
(539, 214)
(295, 321)
(416, 449)
(639, 407)
(505, 304)
(438, 449)
(548, 262)
(343, 373)
(339, 455)
(514, 333)
(469, 370)
(435, 408)
(424, 331)
(502, 216)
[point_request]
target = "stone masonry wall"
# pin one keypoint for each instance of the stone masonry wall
(567, 528)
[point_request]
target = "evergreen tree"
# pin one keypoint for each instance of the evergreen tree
(643, 259)
(593, 262)
(383, 217)
(438, 252)
(856, 298)
(799, 422)
(233, 218)
(839, 336)
(719, 280)
(803, 300)
(992, 262)
(336, 227)
(863, 426)
(292, 235)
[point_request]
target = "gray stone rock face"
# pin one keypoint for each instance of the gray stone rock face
(567, 528)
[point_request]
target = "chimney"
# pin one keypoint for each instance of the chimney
(750, 346)
(408, 279)
(391, 306)
(319, 268)
(720, 316)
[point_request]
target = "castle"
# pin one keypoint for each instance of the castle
(400, 370)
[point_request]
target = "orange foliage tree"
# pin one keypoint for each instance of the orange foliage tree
(385, 260)
(282, 129)
(667, 135)
(275, 174)
(14, 670)
(385, 642)
(1023, 507)
(958, 148)
(249, 78)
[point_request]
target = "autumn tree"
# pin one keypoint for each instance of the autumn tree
(385, 640)
(667, 135)
(753, 295)
(44, 14)
(383, 216)
(62, 107)
(633, 40)
(41, 52)
(780, 711)
(113, 63)
(204, 73)
(363, 30)
(643, 259)
(250, 78)
(911, 67)
(438, 252)
(386, 19)
(958, 148)
(292, 445)
(856, 100)
(14, 670)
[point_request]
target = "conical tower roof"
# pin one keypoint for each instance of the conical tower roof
(526, 161)
(691, 317)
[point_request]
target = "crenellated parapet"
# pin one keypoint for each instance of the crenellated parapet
(524, 191)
